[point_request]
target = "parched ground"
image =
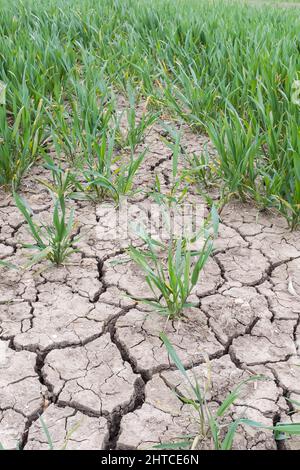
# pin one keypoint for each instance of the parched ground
(77, 350)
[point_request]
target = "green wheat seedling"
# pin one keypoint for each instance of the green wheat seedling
(7, 264)
(107, 176)
(173, 196)
(95, 188)
(54, 241)
(63, 181)
(137, 127)
(49, 437)
(201, 169)
(192, 96)
(78, 125)
(214, 431)
(20, 143)
(237, 144)
(289, 196)
(65, 131)
(174, 145)
(97, 180)
(176, 191)
(171, 278)
(124, 175)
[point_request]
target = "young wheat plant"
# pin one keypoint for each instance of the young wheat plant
(52, 241)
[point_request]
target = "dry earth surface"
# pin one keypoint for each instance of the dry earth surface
(78, 351)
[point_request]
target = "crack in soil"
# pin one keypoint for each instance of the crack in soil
(137, 400)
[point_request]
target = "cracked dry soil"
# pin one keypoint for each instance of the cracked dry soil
(78, 351)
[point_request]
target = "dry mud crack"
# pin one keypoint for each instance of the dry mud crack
(76, 349)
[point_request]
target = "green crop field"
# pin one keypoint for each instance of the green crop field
(224, 68)
(155, 106)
